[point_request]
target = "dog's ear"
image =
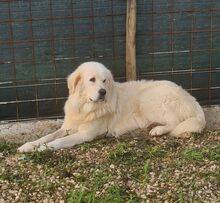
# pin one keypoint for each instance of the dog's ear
(110, 75)
(72, 81)
(109, 81)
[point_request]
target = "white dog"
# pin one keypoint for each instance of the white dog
(97, 105)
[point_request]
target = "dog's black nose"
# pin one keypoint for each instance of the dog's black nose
(102, 92)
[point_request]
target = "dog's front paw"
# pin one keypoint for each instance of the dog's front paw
(157, 131)
(27, 147)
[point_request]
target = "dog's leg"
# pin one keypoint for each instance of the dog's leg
(169, 123)
(66, 142)
(30, 146)
(86, 133)
(193, 124)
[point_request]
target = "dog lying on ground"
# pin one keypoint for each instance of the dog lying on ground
(97, 105)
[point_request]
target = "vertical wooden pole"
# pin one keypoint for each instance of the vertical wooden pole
(130, 40)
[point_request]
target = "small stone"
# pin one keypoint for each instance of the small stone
(4, 187)
(112, 166)
(45, 201)
(143, 196)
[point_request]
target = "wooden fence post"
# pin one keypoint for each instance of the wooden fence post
(130, 40)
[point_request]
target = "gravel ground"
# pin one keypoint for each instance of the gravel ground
(21, 132)
(140, 169)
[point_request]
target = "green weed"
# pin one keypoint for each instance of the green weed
(155, 151)
(199, 154)
(48, 157)
(8, 148)
(76, 196)
(193, 154)
(121, 154)
(146, 169)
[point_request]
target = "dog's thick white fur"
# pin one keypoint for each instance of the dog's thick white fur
(97, 105)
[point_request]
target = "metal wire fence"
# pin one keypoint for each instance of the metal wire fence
(179, 41)
(41, 42)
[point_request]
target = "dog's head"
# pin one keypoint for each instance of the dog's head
(91, 80)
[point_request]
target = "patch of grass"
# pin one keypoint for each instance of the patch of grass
(8, 148)
(121, 154)
(199, 154)
(112, 194)
(76, 196)
(100, 178)
(180, 195)
(126, 154)
(94, 184)
(214, 153)
(14, 176)
(36, 157)
(197, 135)
(141, 171)
(212, 176)
(65, 172)
(213, 133)
(117, 195)
(155, 151)
(173, 145)
(48, 157)
(81, 178)
(46, 185)
(98, 143)
(119, 150)
(81, 196)
(146, 169)
(193, 154)
(61, 170)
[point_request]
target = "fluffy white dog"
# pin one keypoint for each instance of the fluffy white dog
(97, 105)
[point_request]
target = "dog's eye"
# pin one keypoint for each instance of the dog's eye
(104, 80)
(92, 79)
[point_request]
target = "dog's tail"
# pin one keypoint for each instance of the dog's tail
(192, 124)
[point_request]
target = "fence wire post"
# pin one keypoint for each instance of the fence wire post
(130, 40)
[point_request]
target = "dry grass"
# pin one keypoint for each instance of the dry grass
(161, 169)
